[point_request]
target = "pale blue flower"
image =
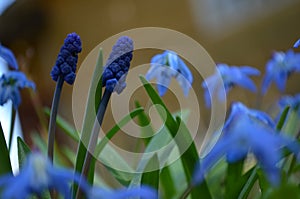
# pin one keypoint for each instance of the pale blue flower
(143, 192)
(231, 76)
(10, 84)
(9, 57)
(292, 101)
(167, 65)
(279, 68)
(297, 44)
(247, 130)
(37, 176)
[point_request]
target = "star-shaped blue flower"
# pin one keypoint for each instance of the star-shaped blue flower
(10, 84)
(36, 176)
(279, 67)
(231, 76)
(9, 57)
(247, 130)
(167, 65)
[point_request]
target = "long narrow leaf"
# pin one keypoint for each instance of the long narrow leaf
(64, 125)
(23, 151)
(182, 138)
(150, 176)
(4, 157)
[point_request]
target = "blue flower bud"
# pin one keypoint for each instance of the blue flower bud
(67, 58)
(117, 65)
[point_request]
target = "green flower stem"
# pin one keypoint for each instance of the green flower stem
(12, 125)
(94, 136)
(53, 114)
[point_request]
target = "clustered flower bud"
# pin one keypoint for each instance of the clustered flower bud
(117, 65)
(67, 58)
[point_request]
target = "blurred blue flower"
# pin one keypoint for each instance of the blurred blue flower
(143, 192)
(117, 65)
(9, 57)
(231, 76)
(167, 65)
(67, 58)
(36, 176)
(10, 84)
(297, 44)
(292, 101)
(279, 68)
(247, 130)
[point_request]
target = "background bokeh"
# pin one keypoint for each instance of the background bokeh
(237, 32)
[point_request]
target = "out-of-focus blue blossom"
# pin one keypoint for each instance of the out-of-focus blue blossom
(297, 44)
(247, 130)
(117, 65)
(167, 65)
(292, 101)
(36, 176)
(143, 192)
(9, 57)
(10, 84)
(279, 67)
(231, 76)
(67, 58)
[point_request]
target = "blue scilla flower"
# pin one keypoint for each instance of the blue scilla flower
(167, 65)
(10, 84)
(247, 130)
(67, 58)
(231, 76)
(279, 67)
(36, 176)
(9, 57)
(117, 65)
(292, 101)
(297, 44)
(143, 192)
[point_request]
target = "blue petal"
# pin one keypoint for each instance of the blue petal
(297, 44)
(9, 57)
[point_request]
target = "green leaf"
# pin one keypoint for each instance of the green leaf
(167, 182)
(284, 191)
(150, 176)
(94, 97)
(144, 122)
(114, 158)
(4, 157)
(282, 118)
(23, 151)
(182, 137)
(234, 173)
(64, 125)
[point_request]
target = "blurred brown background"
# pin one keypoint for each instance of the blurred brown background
(237, 32)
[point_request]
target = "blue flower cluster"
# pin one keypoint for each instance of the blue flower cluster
(231, 76)
(248, 130)
(65, 66)
(12, 81)
(167, 65)
(117, 65)
(38, 175)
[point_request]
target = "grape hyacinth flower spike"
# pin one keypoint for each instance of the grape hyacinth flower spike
(113, 79)
(37, 176)
(231, 76)
(167, 65)
(117, 65)
(63, 70)
(248, 130)
(9, 57)
(278, 69)
(10, 84)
